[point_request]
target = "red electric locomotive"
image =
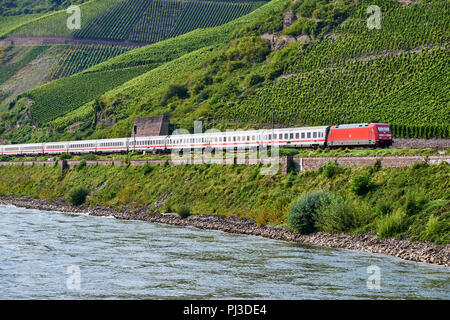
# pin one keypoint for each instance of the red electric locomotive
(361, 134)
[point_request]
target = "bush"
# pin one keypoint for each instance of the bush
(414, 204)
(338, 216)
(90, 157)
(4, 158)
(65, 156)
(77, 196)
(330, 169)
(303, 215)
(147, 168)
(361, 184)
(392, 225)
(183, 212)
(81, 165)
(436, 230)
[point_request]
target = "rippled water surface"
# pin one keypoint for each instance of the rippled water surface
(42, 251)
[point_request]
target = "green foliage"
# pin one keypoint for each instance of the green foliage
(301, 26)
(77, 196)
(330, 169)
(64, 95)
(89, 157)
(17, 7)
(392, 225)
(147, 168)
(81, 165)
(436, 230)
(55, 23)
(361, 184)
(337, 216)
(303, 215)
(183, 211)
(78, 58)
(152, 21)
(248, 49)
(65, 156)
(175, 90)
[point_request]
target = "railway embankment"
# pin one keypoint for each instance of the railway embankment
(414, 251)
(309, 163)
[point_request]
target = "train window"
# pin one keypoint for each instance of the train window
(297, 135)
(291, 136)
(303, 135)
(253, 138)
(308, 135)
(285, 136)
(314, 134)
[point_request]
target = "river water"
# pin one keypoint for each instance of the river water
(53, 255)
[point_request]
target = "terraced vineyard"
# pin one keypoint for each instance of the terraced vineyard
(55, 23)
(344, 94)
(117, 23)
(156, 20)
(78, 58)
(63, 95)
(203, 14)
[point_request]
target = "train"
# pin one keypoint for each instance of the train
(369, 134)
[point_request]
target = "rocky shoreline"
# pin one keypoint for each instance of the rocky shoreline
(401, 248)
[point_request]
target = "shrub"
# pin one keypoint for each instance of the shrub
(361, 184)
(330, 169)
(183, 211)
(4, 158)
(414, 204)
(65, 156)
(147, 168)
(175, 90)
(436, 230)
(392, 225)
(90, 157)
(77, 196)
(337, 216)
(303, 215)
(81, 165)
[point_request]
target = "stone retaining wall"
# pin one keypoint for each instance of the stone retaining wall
(297, 163)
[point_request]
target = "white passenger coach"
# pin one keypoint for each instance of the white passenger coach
(289, 137)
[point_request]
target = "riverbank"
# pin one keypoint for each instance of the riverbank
(401, 248)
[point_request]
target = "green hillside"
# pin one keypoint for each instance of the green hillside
(325, 66)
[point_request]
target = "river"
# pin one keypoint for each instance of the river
(53, 255)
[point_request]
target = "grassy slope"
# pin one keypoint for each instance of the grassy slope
(403, 201)
(9, 23)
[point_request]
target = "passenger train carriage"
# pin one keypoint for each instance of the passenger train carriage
(348, 135)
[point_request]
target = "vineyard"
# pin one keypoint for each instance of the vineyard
(63, 95)
(78, 58)
(156, 20)
(55, 23)
(354, 92)
(204, 14)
